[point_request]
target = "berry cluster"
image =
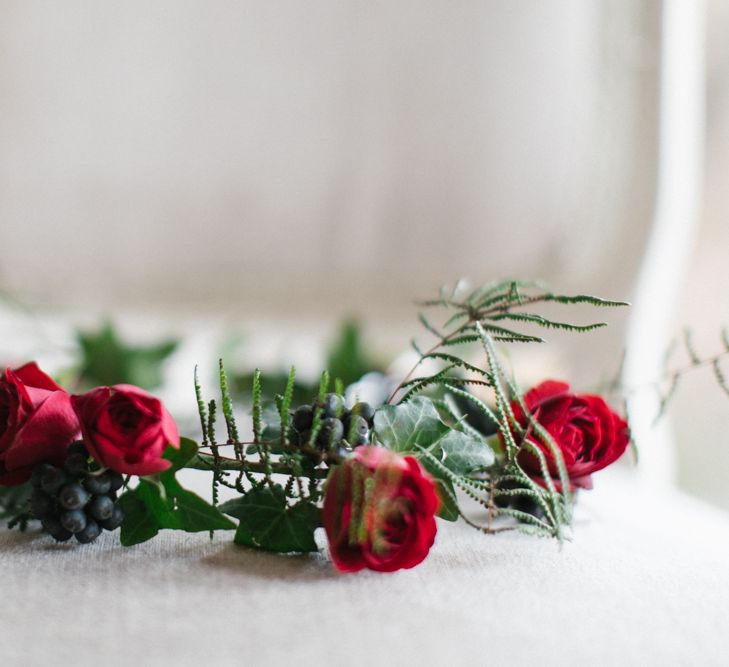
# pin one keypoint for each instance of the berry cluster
(340, 429)
(75, 501)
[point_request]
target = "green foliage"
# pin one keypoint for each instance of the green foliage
(666, 387)
(484, 310)
(14, 504)
(480, 316)
(107, 360)
(161, 502)
(273, 515)
(348, 359)
(267, 522)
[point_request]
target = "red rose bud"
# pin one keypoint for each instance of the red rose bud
(37, 423)
(587, 431)
(379, 511)
(126, 429)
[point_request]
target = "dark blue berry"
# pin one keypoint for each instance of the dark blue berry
(76, 464)
(101, 507)
(364, 410)
(357, 429)
(98, 484)
(113, 522)
(73, 496)
(89, 533)
(41, 504)
(54, 528)
(331, 432)
(529, 506)
(36, 476)
(52, 479)
(303, 417)
(78, 447)
(362, 439)
(116, 479)
(333, 405)
(74, 520)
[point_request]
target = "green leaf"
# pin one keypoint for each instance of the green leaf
(465, 454)
(267, 523)
(161, 502)
(107, 360)
(347, 359)
(158, 503)
(179, 457)
(415, 428)
(407, 425)
(139, 523)
(197, 515)
(448, 505)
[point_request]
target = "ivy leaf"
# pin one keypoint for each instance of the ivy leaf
(161, 502)
(197, 515)
(158, 504)
(267, 523)
(407, 426)
(447, 494)
(180, 457)
(464, 454)
(139, 523)
(347, 359)
(106, 360)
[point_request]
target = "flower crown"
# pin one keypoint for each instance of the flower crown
(375, 477)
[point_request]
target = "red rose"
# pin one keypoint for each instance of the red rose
(379, 511)
(588, 432)
(126, 429)
(37, 423)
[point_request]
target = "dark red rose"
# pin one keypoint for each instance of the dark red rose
(589, 433)
(379, 511)
(126, 429)
(37, 423)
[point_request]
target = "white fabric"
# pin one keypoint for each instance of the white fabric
(644, 582)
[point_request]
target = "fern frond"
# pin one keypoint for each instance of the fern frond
(719, 375)
(541, 321)
(256, 395)
(586, 299)
(227, 405)
(201, 408)
(285, 404)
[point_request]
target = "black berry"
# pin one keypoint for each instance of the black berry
(98, 484)
(78, 447)
(41, 504)
(52, 479)
(101, 508)
(357, 429)
(332, 431)
(89, 533)
(73, 496)
(76, 464)
(113, 522)
(74, 520)
(303, 418)
(54, 528)
(36, 476)
(364, 410)
(117, 480)
(333, 405)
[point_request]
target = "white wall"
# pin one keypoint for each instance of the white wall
(239, 151)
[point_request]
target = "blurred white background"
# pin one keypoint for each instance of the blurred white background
(277, 165)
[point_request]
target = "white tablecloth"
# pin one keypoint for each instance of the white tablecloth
(645, 581)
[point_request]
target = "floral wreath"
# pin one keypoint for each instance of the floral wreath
(374, 477)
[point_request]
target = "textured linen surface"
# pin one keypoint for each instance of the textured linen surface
(644, 582)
